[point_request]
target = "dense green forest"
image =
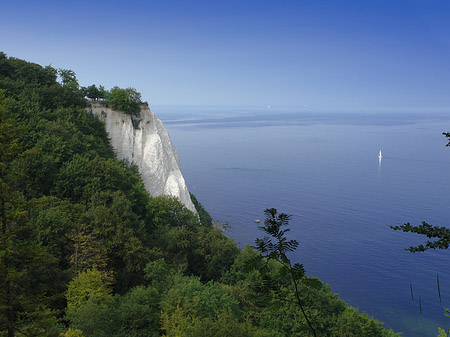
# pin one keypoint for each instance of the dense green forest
(86, 251)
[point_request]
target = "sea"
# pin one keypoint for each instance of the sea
(323, 169)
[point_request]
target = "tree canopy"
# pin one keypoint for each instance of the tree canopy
(83, 244)
(126, 100)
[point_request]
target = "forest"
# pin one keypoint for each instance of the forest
(86, 251)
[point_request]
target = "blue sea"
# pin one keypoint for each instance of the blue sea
(323, 169)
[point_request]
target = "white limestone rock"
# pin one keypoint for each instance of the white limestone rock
(146, 144)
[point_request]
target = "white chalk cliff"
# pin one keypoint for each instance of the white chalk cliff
(146, 144)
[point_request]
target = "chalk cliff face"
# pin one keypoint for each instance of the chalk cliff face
(145, 142)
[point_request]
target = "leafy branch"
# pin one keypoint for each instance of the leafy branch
(275, 246)
(442, 234)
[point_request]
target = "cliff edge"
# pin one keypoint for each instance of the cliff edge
(144, 141)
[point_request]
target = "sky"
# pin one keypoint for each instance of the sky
(318, 54)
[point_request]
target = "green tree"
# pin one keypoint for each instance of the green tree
(160, 275)
(278, 248)
(72, 333)
(102, 92)
(68, 77)
(88, 284)
(169, 211)
(93, 92)
(203, 214)
(87, 249)
(72, 92)
(24, 264)
(135, 314)
(198, 250)
(223, 324)
(351, 323)
(67, 204)
(212, 254)
(126, 100)
(201, 300)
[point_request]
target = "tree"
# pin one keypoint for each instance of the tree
(72, 94)
(88, 284)
(203, 214)
(196, 298)
(68, 77)
(24, 264)
(72, 333)
(126, 100)
(87, 250)
(135, 314)
(223, 324)
(278, 248)
(169, 211)
(102, 92)
(93, 92)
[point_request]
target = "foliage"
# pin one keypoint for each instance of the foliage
(351, 323)
(71, 87)
(442, 333)
(160, 275)
(224, 324)
(26, 268)
(126, 100)
(277, 250)
(441, 234)
(87, 251)
(168, 211)
(72, 333)
(86, 285)
(283, 287)
(196, 250)
(203, 300)
(84, 249)
(134, 314)
(205, 218)
(95, 93)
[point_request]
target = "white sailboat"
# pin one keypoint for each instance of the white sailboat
(380, 156)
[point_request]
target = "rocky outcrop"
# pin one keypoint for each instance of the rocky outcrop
(144, 141)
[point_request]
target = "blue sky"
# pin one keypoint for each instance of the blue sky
(335, 55)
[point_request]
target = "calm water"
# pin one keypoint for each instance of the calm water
(323, 169)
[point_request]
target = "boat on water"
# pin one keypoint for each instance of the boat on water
(380, 156)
